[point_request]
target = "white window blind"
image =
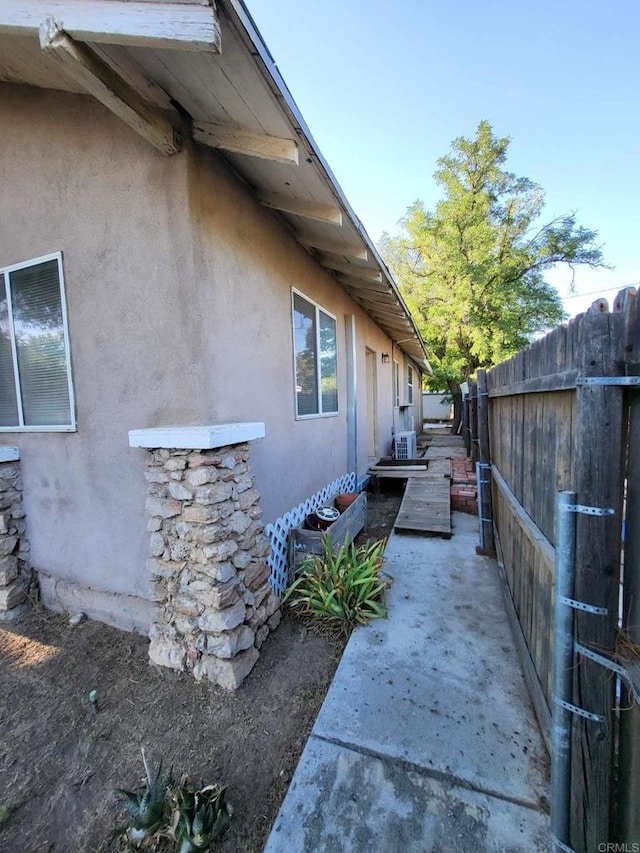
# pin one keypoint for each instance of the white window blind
(35, 377)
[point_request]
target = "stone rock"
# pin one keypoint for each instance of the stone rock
(249, 598)
(175, 464)
(200, 514)
(261, 635)
(154, 524)
(221, 551)
(8, 570)
(241, 559)
(256, 574)
(213, 494)
(248, 498)
(197, 459)
(77, 618)
(180, 550)
(7, 545)
(199, 671)
(156, 544)
(229, 643)
(187, 606)
(201, 476)
(262, 546)
(238, 522)
(5, 522)
(156, 477)
(229, 674)
(229, 460)
(165, 652)
(183, 529)
(216, 621)
(164, 568)
(16, 592)
(220, 596)
(162, 508)
(274, 620)
(243, 482)
(179, 492)
(185, 625)
(261, 593)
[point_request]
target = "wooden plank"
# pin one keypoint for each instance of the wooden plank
(228, 138)
(562, 381)
(303, 542)
(344, 250)
(307, 209)
(628, 787)
(525, 522)
(598, 482)
(445, 453)
(177, 26)
(101, 81)
(425, 507)
(351, 270)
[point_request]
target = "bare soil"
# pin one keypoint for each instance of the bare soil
(61, 763)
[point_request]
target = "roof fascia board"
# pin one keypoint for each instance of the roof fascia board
(190, 26)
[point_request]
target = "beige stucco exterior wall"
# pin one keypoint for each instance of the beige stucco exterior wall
(178, 288)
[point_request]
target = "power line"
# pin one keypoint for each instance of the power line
(599, 292)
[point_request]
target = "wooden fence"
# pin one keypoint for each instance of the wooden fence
(562, 414)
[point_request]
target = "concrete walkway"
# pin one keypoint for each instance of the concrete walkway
(426, 740)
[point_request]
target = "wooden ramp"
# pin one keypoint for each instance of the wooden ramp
(426, 507)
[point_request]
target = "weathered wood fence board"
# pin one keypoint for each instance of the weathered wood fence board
(548, 430)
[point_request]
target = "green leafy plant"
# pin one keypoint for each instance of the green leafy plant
(147, 808)
(200, 817)
(341, 589)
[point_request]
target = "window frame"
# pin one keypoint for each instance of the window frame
(5, 272)
(396, 384)
(317, 307)
(409, 384)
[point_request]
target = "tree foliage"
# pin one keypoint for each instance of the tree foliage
(472, 272)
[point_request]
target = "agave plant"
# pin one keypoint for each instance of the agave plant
(200, 816)
(340, 589)
(147, 808)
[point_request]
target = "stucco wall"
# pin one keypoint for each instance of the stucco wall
(178, 288)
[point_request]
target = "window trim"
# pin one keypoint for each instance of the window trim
(409, 384)
(396, 384)
(5, 272)
(295, 292)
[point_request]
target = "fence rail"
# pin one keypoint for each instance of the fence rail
(559, 416)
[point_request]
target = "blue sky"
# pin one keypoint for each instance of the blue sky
(385, 87)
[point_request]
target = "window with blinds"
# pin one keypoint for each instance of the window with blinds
(316, 359)
(35, 373)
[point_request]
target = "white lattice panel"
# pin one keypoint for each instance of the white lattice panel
(278, 532)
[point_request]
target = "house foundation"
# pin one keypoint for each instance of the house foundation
(15, 573)
(207, 552)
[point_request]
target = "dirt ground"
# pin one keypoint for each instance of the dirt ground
(61, 763)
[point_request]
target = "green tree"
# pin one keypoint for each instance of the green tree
(472, 272)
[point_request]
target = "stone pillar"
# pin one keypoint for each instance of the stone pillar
(207, 552)
(15, 573)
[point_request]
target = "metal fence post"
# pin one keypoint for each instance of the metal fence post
(562, 671)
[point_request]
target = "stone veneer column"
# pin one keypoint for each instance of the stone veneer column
(207, 551)
(15, 573)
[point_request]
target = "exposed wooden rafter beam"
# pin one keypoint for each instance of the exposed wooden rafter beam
(363, 284)
(307, 209)
(101, 81)
(352, 270)
(181, 26)
(345, 251)
(251, 144)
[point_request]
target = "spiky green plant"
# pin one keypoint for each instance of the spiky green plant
(200, 817)
(147, 808)
(341, 589)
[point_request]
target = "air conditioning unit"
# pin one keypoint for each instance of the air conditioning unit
(404, 445)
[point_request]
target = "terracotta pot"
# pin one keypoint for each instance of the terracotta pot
(344, 501)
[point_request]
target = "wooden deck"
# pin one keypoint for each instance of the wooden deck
(426, 507)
